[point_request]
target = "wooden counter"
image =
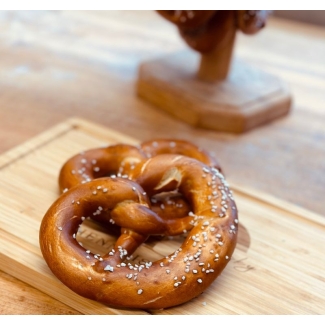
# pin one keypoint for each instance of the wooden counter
(55, 65)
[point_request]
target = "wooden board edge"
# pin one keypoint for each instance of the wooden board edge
(47, 283)
(99, 129)
(278, 203)
(54, 132)
(33, 143)
(103, 131)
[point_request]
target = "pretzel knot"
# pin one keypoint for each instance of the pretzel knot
(204, 212)
(205, 30)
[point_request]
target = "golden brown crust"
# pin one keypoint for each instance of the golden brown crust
(190, 19)
(211, 226)
(120, 159)
(206, 30)
(251, 21)
(99, 162)
(180, 147)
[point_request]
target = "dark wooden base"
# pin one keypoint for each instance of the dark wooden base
(248, 98)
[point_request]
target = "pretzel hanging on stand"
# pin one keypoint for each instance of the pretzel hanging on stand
(211, 228)
(212, 33)
(206, 84)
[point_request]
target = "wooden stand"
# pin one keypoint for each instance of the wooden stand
(215, 65)
(245, 99)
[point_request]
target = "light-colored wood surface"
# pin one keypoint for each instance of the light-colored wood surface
(60, 64)
(271, 272)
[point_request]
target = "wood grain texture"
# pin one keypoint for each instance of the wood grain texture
(246, 99)
(34, 301)
(271, 271)
(57, 64)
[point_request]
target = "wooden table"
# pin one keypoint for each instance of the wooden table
(55, 65)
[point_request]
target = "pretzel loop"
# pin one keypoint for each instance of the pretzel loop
(206, 30)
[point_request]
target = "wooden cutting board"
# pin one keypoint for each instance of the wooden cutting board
(278, 266)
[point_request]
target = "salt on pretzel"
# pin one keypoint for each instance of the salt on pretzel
(179, 147)
(211, 229)
(204, 30)
(99, 162)
(120, 159)
(251, 21)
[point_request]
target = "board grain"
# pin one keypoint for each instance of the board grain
(277, 268)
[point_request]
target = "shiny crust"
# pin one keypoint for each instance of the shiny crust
(209, 222)
(120, 159)
(99, 162)
(204, 30)
(251, 21)
(179, 147)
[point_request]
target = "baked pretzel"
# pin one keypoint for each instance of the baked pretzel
(251, 21)
(99, 162)
(211, 228)
(179, 147)
(118, 160)
(204, 30)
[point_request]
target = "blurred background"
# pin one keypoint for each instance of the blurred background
(316, 17)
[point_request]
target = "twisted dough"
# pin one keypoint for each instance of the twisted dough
(119, 160)
(204, 30)
(211, 228)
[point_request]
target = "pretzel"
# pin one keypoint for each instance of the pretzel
(99, 162)
(251, 21)
(120, 159)
(210, 226)
(204, 30)
(180, 147)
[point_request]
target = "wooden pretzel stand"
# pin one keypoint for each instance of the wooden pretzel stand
(206, 88)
